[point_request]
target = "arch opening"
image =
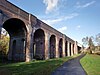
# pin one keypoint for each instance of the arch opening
(52, 52)
(73, 48)
(60, 47)
(17, 32)
(66, 50)
(70, 48)
(79, 49)
(39, 45)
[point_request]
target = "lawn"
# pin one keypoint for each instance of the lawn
(40, 67)
(91, 64)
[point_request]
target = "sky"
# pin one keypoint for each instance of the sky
(74, 18)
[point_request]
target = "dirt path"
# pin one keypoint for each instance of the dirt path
(71, 67)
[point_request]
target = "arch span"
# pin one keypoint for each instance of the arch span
(60, 47)
(17, 31)
(52, 51)
(39, 44)
(70, 48)
(66, 49)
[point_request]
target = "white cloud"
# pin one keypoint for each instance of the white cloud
(53, 21)
(78, 27)
(62, 29)
(85, 5)
(50, 5)
(71, 16)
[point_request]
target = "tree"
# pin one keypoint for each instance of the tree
(85, 41)
(88, 41)
(91, 45)
(97, 39)
(4, 45)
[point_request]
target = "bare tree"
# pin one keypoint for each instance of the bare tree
(91, 45)
(98, 39)
(85, 41)
(88, 41)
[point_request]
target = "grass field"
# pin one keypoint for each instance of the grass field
(41, 67)
(91, 64)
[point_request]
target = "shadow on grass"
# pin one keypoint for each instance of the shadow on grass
(41, 67)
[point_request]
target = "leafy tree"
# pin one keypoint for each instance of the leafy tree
(4, 45)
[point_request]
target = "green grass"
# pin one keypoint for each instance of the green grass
(41, 67)
(91, 64)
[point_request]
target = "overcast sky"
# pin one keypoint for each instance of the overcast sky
(75, 18)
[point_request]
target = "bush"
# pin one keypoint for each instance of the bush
(4, 45)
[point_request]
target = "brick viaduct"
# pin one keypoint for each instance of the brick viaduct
(30, 38)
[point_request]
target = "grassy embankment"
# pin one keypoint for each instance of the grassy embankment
(91, 64)
(40, 67)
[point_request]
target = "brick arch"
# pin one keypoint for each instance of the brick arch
(70, 48)
(73, 49)
(17, 31)
(14, 26)
(52, 48)
(39, 44)
(66, 48)
(61, 47)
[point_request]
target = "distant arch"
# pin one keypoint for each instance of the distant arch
(66, 50)
(70, 48)
(60, 47)
(52, 49)
(39, 44)
(73, 49)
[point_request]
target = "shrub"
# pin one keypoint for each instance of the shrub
(4, 45)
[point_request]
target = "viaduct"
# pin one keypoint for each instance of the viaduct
(30, 38)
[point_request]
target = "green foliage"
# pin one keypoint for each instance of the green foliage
(91, 64)
(4, 45)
